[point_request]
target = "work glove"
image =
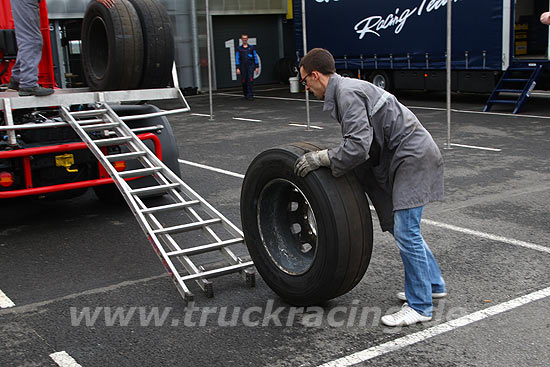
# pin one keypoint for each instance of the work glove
(310, 162)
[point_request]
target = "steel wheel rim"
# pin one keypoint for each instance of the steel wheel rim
(287, 226)
(379, 81)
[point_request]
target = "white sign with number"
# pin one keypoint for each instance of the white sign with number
(230, 44)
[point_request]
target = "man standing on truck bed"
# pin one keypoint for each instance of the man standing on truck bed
(24, 74)
(398, 163)
(247, 63)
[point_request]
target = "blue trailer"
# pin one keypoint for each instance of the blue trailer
(498, 46)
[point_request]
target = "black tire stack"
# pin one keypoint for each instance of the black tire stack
(338, 226)
(127, 46)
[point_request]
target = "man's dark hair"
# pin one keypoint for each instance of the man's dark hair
(320, 60)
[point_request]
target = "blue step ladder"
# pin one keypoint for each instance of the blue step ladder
(519, 80)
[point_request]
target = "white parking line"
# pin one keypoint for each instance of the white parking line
(5, 302)
(304, 125)
(229, 173)
(476, 147)
(63, 359)
(417, 337)
(275, 98)
(488, 236)
(411, 107)
(244, 119)
(200, 114)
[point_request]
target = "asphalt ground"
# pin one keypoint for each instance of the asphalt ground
(62, 259)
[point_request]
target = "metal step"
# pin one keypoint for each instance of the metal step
(104, 126)
(139, 172)
(503, 101)
(169, 207)
(112, 141)
(515, 80)
(509, 90)
(218, 272)
(205, 248)
(187, 227)
(154, 189)
(522, 68)
(89, 113)
(125, 156)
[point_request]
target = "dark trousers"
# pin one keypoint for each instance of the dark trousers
(26, 18)
(247, 80)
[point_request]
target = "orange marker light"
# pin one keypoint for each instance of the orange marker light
(6, 179)
(120, 165)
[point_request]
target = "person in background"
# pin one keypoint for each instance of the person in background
(545, 18)
(24, 74)
(247, 64)
(398, 164)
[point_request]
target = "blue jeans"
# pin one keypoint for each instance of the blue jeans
(422, 274)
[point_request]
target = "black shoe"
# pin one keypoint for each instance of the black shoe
(250, 98)
(13, 85)
(35, 91)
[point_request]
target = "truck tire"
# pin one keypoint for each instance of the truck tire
(310, 238)
(381, 80)
(158, 42)
(110, 193)
(112, 46)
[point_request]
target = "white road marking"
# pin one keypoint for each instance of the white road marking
(229, 173)
(272, 89)
(33, 307)
(475, 147)
(63, 359)
(201, 114)
(275, 98)
(411, 107)
(5, 302)
(420, 336)
(488, 236)
(304, 125)
(244, 119)
(417, 337)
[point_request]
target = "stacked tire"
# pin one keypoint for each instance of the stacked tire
(127, 46)
(310, 238)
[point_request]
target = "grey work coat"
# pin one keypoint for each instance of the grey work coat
(394, 156)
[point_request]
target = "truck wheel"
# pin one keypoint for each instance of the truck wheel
(310, 238)
(158, 42)
(381, 80)
(170, 154)
(112, 46)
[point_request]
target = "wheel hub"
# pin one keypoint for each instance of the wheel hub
(287, 226)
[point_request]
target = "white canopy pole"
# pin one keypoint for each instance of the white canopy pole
(209, 52)
(304, 37)
(449, 29)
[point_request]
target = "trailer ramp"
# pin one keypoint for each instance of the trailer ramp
(170, 227)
